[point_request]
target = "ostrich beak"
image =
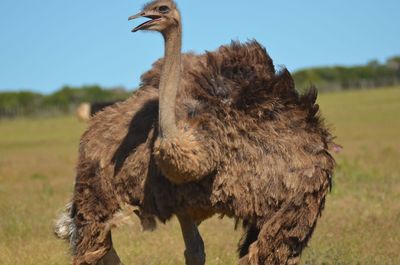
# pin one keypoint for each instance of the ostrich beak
(153, 18)
(141, 14)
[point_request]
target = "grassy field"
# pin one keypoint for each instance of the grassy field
(360, 225)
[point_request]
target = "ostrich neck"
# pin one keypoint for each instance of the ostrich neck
(170, 82)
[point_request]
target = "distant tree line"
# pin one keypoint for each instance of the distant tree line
(371, 75)
(63, 101)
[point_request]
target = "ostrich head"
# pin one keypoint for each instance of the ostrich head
(163, 15)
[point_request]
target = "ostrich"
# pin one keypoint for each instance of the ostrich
(87, 110)
(218, 133)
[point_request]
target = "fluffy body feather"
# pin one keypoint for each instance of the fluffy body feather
(251, 148)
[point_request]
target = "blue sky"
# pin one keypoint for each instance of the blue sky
(45, 44)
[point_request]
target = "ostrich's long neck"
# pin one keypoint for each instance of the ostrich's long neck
(170, 82)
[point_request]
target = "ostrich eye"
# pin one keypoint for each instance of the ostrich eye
(163, 9)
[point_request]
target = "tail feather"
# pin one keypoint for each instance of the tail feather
(64, 227)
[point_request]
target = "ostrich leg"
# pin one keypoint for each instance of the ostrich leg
(194, 253)
(111, 258)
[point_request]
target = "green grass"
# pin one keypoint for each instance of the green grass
(360, 225)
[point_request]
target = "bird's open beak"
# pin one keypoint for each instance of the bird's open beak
(141, 14)
(153, 18)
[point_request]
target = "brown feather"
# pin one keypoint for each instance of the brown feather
(252, 148)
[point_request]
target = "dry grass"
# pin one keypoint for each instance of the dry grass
(361, 223)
